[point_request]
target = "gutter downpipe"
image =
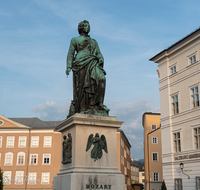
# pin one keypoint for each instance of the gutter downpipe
(27, 159)
(148, 152)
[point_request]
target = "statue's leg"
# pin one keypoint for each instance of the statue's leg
(102, 87)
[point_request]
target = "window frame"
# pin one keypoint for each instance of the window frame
(197, 183)
(20, 137)
(192, 106)
(33, 158)
(42, 176)
(13, 144)
(175, 184)
(176, 150)
(16, 181)
(191, 61)
(175, 107)
(4, 178)
(1, 141)
(156, 176)
(29, 180)
(154, 137)
(32, 139)
(156, 156)
(171, 69)
(45, 145)
(18, 155)
(152, 126)
(44, 158)
(5, 162)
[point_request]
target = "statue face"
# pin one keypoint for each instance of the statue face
(86, 28)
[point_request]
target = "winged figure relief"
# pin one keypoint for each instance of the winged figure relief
(99, 144)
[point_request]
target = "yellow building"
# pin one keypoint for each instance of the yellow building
(123, 157)
(30, 153)
(152, 151)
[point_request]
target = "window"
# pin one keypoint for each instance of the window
(20, 158)
(143, 180)
(124, 153)
(46, 158)
(47, 141)
(192, 59)
(32, 178)
(155, 176)
(142, 174)
(122, 142)
(178, 184)
(1, 139)
(122, 159)
(153, 126)
(173, 69)
(10, 141)
(34, 141)
(175, 108)
(198, 183)
(177, 142)
(19, 177)
(197, 138)
(154, 140)
(7, 177)
(33, 159)
(22, 141)
(45, 178)
(125, 170)
(195, 96)
(1, 122)
(9, 158)
(154, 156)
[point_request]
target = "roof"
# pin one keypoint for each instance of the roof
(197, 30)
(119, 130)
(148, 113)
(36, 123)
(134, 164)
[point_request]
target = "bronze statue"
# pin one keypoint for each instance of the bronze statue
(89, 80)
(99, 144)
(67, 149)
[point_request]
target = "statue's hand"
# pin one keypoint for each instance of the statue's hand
(101, 62)
(68, 71)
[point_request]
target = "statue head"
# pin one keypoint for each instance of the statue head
(69, 134)
(64, 137)
(97, 135)
(84, 27)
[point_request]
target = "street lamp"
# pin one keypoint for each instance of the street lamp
(182, 166)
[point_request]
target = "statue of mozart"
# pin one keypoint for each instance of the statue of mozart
(86, 61)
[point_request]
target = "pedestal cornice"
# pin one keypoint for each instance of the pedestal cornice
(84, 119)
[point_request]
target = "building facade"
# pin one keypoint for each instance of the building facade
(141, 173)
(123, 157)
(30, 153)
(179, 68)
(152, 151)
(134, 172)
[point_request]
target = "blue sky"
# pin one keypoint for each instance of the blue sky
(34, 41)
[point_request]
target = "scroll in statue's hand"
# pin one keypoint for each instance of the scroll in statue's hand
(68, 71)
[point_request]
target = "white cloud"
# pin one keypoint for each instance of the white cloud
(132, 137)
(51, 111)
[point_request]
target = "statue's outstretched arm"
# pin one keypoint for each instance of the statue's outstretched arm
(70, 55)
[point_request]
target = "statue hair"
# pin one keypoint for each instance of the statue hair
(81, 25)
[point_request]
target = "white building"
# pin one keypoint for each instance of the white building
(179, 69)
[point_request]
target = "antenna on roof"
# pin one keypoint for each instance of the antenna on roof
(4, 101)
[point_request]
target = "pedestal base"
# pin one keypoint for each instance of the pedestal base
(89, 181)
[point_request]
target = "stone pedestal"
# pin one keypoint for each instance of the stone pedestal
(84, 172)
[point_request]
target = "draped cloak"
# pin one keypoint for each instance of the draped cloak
(89, 75)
